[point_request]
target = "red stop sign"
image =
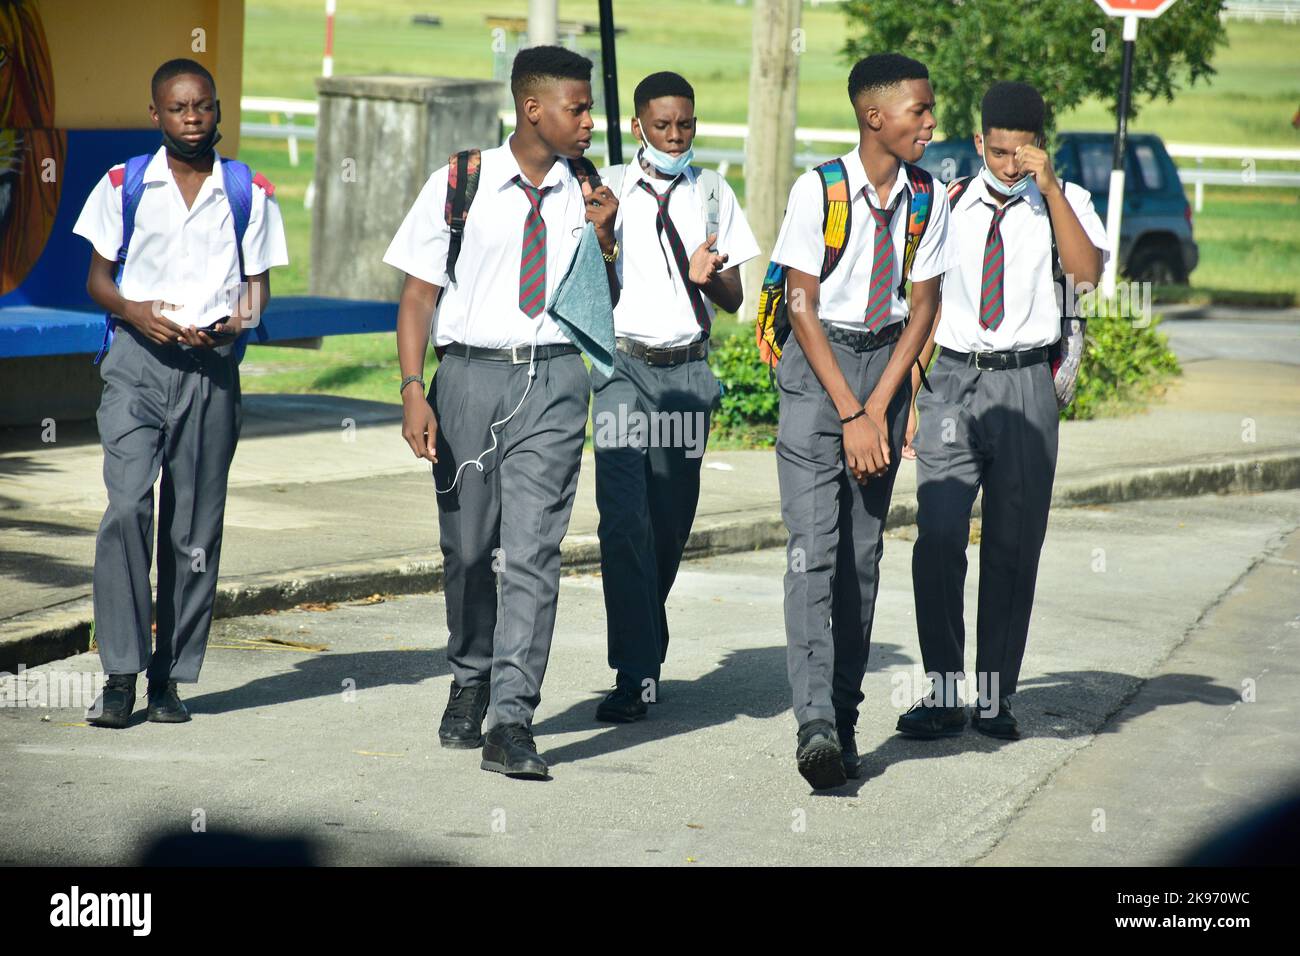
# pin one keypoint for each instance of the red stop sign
(1135, 8)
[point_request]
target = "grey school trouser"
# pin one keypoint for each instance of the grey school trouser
(996, 430)
(649, 427)
(500, 529)
(836, 531)
(174, 410)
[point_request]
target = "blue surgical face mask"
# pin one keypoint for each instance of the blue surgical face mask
(665, 163)
(1002, 188)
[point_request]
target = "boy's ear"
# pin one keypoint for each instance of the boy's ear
(873, 117)
(979, 144)
(153, 116)
(636, 129)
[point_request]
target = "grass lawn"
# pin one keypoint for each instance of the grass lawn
(1249, 238)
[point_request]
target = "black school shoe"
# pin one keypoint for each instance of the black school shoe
(928, 721)
(849, 752)
(1002, 725)
(819, 757)
(113, 707)
(622, 705)
(165, 705)
(462, 721)
(509, 749)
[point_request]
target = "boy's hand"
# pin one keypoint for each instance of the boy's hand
(705, 263)
(866, 450)
(1039, 165)
(908, 451)
(148, 318)
(602, 207)
(419, 425)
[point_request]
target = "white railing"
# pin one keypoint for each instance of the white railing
(807, 137)
(1287, 11)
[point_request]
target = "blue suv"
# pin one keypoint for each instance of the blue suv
(1156, 243)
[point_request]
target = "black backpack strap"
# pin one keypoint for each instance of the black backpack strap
(584, 171)
(462, 183)
(956, 188)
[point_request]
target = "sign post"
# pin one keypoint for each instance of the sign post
(1131, 11)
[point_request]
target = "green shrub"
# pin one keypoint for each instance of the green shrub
(749, 399)
(1124, 363)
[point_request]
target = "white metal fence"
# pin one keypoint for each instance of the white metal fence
(283, 112)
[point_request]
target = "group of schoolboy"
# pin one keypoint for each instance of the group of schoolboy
(183, 244)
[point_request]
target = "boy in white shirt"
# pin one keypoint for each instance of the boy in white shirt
(991, 417)
(505, 415)
(844, 381)
(681, 235)
(186, 227)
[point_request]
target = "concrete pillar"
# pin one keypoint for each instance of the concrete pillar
(378, 138)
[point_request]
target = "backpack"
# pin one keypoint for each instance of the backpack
(238, 180)
(772, 327)
(463, 170)
(957, 187)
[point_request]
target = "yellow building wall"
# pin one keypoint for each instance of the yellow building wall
(104, 52)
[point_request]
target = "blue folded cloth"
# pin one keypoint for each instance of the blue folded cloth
(581, 306)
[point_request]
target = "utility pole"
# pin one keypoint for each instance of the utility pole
(542, 17)
(769, 147)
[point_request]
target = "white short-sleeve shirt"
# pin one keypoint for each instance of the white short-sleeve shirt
(1032, 310)
(183, 256)
(481, 308)
(654, 306)
(845, 292)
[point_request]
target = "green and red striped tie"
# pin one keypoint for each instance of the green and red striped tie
(532, 262)
(992, 309)
(880, 303)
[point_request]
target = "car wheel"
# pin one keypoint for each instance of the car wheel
(1158, 264)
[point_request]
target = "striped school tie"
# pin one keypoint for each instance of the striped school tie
(992, 310)
(664, 227)
(880, 302)
(532, 262)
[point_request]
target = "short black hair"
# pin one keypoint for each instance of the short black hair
(538, 65)
(179, 67)
(656, 85)
(1014, 106)
(882, 70)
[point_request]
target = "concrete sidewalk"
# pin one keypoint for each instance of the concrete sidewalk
(327, 503)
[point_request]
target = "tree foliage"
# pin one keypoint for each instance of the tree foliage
(1054, 44)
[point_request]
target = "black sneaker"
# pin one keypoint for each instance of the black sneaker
(849, 752)
(509, 749)
(462, 721)
(1001, 723)
(165, 705)
(819, 756)
(622, 705)
(928, 720)
(112, 708)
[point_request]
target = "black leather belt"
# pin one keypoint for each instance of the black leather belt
(1001, 361)
(664, 357)
(515, 355)
(863, 341)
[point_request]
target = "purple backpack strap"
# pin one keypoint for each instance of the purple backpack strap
(132, 190)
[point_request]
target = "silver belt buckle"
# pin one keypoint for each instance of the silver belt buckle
(514, 355)
(992, 366)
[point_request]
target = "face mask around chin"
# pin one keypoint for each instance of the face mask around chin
(1002, 188)
(666, 164)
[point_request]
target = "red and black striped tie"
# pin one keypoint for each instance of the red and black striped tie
(532, 262)
(881, 301)
(664, 227)
(992, 309)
